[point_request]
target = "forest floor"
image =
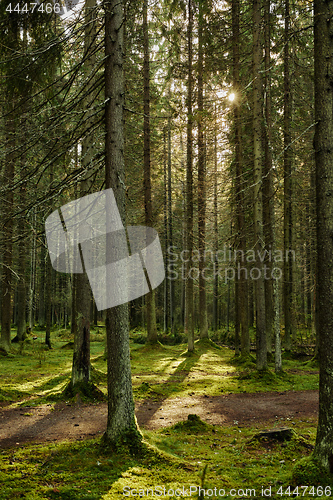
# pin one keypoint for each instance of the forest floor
(168, 384)
(61, 421)
(50, 443)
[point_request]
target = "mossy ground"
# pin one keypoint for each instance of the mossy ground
(83, 470)
(38, 375)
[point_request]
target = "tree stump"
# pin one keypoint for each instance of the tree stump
(282, 434)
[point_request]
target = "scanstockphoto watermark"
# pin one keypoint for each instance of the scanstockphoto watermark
(227, 264)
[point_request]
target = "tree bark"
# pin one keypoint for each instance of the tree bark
(41, 302)
(242, 295)
(8, 227)
(203, 324)
(21, 287)
(32, 274)
(170, 224)
(166, 238)
(216, 237)
(258, 206)
(48, 303)
(82, 293)
(121, 422)
(287, 159)
(268, 189)
(189, 302)
(150, 297)
(323, 43)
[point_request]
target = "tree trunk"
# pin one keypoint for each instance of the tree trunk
(81, 352)
(48, 304)
(287, 224)
(166, 239)
(41, 303)
(268, 189)
(184, 225)
(150, 297)
(203, 324)
(216, 238)
(32, 275)
(189, 302)
(170, 224)
(7, 208)
(21, 287)
(258, 206)
(73, 305)
(22, 233)
(242, 295)
(323, 27)
(276, 326)
(121, 422)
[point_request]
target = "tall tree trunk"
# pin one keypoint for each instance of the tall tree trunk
(216, 237)
(73, 304)
(189, 305)
(22, 232)
(121, 422)
(11, 95)
(268, 190)
(272, 296)
(166, 238)
(32, 274)
(203, 324)
(184, 225)
(323, 27)
(170, 223)
(242, 295)
(41, 302)
(150, 297)
(277, 336)
(258, 206)
(287, 160)
(7, 208)
(251, 303)
(82, 293)
(21, 287)
(81, 353)
(48, 302)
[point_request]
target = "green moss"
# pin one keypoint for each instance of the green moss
(168, 370)
(193, 424)
(206, 343)
(97, 376)
(86, 390)
(130, 441)
(171, 457)
(3, 352)
(309, 471)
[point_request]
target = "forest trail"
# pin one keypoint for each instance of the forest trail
(62, 422)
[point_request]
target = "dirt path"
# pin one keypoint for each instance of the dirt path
(43, 423)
